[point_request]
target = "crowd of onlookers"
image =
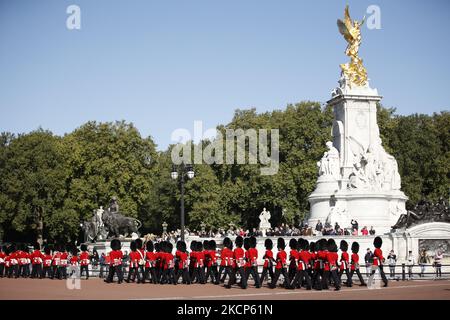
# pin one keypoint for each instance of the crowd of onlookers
(329, 230)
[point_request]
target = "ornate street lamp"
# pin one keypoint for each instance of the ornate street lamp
(164, 226)
(179, 172)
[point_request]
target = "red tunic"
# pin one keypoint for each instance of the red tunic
(378, 257)
(304, 258)
(84, 258)
(56, 259)
(355, 261)
(182, 258)
(253, 256)
(226, 257)
(344, 260)
(238, 256)
(268, 256)
(2, 257)
(74, 260)
(150, 259)
(213, 257)
(169, 263)
(293, 257)
(115, 258)
(134, 259)
(332, 259)
(200, 259)
(47, 260)
(281, 259)
(64, 257)
(37, 257)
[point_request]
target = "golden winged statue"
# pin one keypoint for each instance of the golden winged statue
(353, 71)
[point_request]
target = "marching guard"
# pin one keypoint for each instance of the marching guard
(354, 267)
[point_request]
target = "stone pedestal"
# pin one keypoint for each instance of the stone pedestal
(365, 185)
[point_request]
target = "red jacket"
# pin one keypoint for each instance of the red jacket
(182, 258)
(253, 256)
(281, 259)
(150, 259)
(355, 261)
(268, 256)
(74, 260)
(200, 259)
(238, 255)
(226, 257)
(304, 258)
(84, 258)
(115, 258)
(332, 259)
(47, 260)
(56, 259)
(169, 263)
(64, 257)
(2, 257)
(344, 260)
(378, 257)
(37, 257)
(293, 257)
(134, 259)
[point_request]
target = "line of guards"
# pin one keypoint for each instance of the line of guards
(314, 265)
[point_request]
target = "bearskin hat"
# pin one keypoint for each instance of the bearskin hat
(228, 243)
(183, 246)
(157, 247)
(331, 245)
(37, 246)
(253, 242)
(193, 245)
(199, 246)
(47, 250)
(343, 245)
(312, 246)
(300, 244)
(305, 244)
(268, 244)
(378, 242)
(133, 246)
(206, 244)
(169, 247)
(74, 251)
(355, 247)
(212, 245)
(149, 246)
(247, 243)
(83, 247)
(239, 241)
(139, 243)
(281, 244)
(293, 244)
(321, 245)
(179, 245)
(115, 244)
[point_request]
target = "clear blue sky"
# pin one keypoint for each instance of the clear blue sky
(163, 64)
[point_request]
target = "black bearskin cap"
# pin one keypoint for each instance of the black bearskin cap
(212, 245)
(193, 245)
(199, 246)
(83, 247)
(239, 241)
(149, 246)
(268, 244)
(343, 245)
(253, 242)
(115, 244)
(355, 247)
(139, 243)
(227, 243)
(312, 246)
(247, 243)
(300, 244)
(331, 245)
(74, 250)
(206, 244)
(180, 245)
(293, 244)
(281, 244)
(183, 246)
(305, 244)
(133, 246)
(169, 247)
(378, 242)
(157, 247)
(47, 250)
(321, 245)
(37, 246)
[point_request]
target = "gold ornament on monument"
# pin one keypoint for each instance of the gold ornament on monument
(354, 71)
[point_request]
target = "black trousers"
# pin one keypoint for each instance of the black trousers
(55, 273)
(300, 276)
(36, 271)
(318, 281)
(62, 272)
(211, 272)
(168, 276)
(150, 274)
(266, 270)
(233, 273)
(334, 276)
(47, 271)
(253, 271)
(115, 270)
(2, 269)
(383, 276)
(198, 275)
(134, 273)
(84, 268)
(184, 274)
(349, 277)
(226, 272)
(24, 270)
(276, 276)
(361, 279)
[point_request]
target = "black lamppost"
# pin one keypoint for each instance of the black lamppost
(189, 171)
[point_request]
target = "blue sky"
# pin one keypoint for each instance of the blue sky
(163, 64)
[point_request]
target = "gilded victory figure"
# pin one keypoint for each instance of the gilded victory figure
(353, 71)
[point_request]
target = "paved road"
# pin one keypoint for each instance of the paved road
(96, 289)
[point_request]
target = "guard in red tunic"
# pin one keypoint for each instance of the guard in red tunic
(332, 262)
(304, 260)
(378, 260)
(320, 265)
(198, 275)
(14, 261)
(182, 259)
(2, 260)
(293, 258)
(312, 254)
(47, 264)
(134, 256)
(226, 260)
(141, 251)
(193, 259)
(354, 264)
(84, 261)
(212, 270)
(158, 261)
(150, 263)
(252, 262)
(73, 260)
(64, 262)
(280, 267)
(115, 267)
(37, 259)
(345, 263)
(56, 260)
(238, 264)
(268, 261)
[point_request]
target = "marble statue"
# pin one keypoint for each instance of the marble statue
(264, 223)
(329, 164)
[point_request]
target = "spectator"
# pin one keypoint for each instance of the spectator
(372, 231)
(392, 260)
(319, 228)
(346, 232)
(337, 227)
(102, 263)
(364, 231)
(423, 260)
(355, 226)
(438, 263)
(410, 265)
(368, 258)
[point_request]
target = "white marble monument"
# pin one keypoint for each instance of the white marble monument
(264, 223)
